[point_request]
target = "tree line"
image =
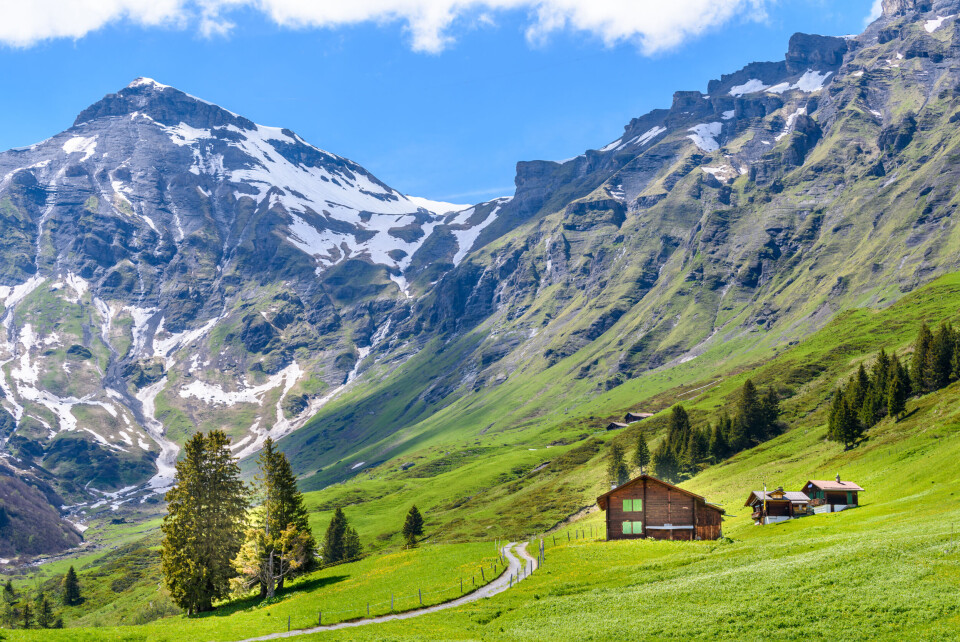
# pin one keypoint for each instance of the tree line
(883, 391)
(19, 612)
(686, 450)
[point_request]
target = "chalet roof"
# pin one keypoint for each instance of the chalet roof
(795, 497)
(641, 415)
(602, 500)
(832, 485)
(615, 425)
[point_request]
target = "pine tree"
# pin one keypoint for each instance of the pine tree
(678, 432)
(351, 544)
(897, 392)
(845, 426)
(333, 548)
(749, 415)
(9, 594)
(617, 470)
(869, 413)
(26, 616)
(879, 373)
(834, 425)
(71, 588)
(770, 411)
(44, 612)
(921, 349)
(857, 389)
(939, 358)
(641, 456)
(283, 507)
(666, 466)
(413, 526)
(719, 449)
(695, 451)
(203, 530)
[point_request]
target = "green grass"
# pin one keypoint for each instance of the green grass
(340, 592)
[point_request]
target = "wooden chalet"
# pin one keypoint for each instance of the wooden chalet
(777, 505)
(615, 425)
(648, 507)
(832, 496)
(633, 417)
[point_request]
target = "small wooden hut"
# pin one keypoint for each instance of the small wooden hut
(832, 496)
(633, 417)
(649, 507)
(615, 425)
(777, 505)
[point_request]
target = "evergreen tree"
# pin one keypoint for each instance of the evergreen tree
(617, 470)
(351, 544)
(695, 451)
(26, 616)
(921, 350)
(749, 415)
(413, 526)
(203, 530)
(844, 426)
(333, 548)
(897, 392)
(44, 612)
(678, 432)
(940, 358)
(834, 427)
(666, 466)
(869, 413)
(71, 588)
(857, 389)
(9, 594)
(719, 449)
(879, 373)
(641, 456)
(283, 507)
(770, 411)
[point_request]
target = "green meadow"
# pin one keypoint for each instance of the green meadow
(884, 570)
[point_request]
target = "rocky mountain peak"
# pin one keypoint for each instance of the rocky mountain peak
(164, 104)
(900, 7)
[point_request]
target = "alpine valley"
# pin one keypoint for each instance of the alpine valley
(168, 266)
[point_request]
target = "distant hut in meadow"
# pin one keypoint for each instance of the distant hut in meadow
(615, 425)
(649, 507)
(633, 417)
(777, 505)
(832, 496)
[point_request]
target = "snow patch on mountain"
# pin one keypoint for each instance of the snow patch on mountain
(933, 25)
(467, 238)
(436, 207)
(752, 86)
(81, 145)
(705, 135)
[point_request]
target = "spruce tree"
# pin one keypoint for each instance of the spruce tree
(283, 507)
(857, 389)
(44, 612)
(695, 451)
(413, 526)
(770, 411)
(719, 449)
(351, 544)
(836, 417)
(666, 466)
(749, 414)
(897, 392)
(71, 588)
(921, 348)
(333, 545)
(9, 594)
(879, 373)
(26, 616)
(204, 526)
(641, 456)
(678, 432)
(939, 358)
(617, 470)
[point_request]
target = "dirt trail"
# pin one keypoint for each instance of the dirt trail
(516, 568)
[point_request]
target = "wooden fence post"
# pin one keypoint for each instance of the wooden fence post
(420, 595)
(288, 623)
(319, 618)
(391, 601)
(483, 577)
(461, 585)
(368, 609)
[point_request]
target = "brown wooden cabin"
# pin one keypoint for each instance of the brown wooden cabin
(648, 507)
(633, 417)
(615, 425)
(777, 505)
(832, 496)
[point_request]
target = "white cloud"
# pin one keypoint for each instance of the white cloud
(875, 12)
(653, 25)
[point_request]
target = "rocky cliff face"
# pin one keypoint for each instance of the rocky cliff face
(173, 266)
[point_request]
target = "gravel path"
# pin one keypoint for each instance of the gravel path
(516, 568)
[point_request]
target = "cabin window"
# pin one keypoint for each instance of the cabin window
(632, 505)
(849, 498)
(628, 528)
(638, 528)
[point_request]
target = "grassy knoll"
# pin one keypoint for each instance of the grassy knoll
(341, 592)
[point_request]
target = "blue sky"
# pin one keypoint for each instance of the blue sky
(441, 113)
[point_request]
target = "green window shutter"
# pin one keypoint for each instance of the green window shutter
(637, 505)
(627, 505)
(849, 497)
(638, 528)
(626, 529)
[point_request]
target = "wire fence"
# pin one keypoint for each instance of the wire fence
(408, 600)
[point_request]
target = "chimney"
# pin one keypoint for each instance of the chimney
(838, 478)
(614, 484)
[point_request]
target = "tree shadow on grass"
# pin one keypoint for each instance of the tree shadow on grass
(253, 601)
